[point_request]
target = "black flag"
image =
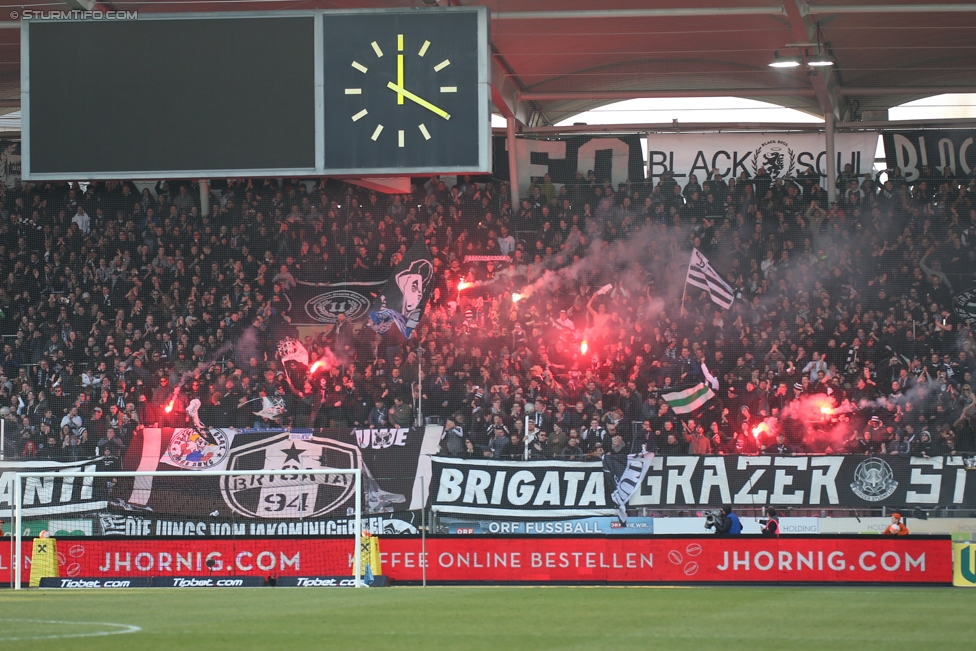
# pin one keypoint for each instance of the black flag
(405, 295)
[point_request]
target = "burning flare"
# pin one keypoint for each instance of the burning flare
(169, 406)
(463, 284)
(516, 297)
(761, 428)
(321, 364)
(584, 347)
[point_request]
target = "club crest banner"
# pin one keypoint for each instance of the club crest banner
(322, 303)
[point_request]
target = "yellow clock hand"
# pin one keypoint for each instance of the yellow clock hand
(400, 67)
(419, 100)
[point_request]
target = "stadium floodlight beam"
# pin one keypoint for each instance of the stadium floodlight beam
(785, 62)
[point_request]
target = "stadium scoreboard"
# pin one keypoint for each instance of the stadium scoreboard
(291, 93)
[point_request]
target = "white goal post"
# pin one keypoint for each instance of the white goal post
(298, 474)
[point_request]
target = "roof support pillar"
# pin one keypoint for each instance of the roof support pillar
(513, 165)
(831, 160)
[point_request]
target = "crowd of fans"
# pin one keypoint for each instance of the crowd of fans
(121, 305)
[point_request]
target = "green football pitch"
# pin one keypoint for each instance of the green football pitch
(494, 618)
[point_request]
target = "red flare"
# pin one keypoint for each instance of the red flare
(584, 347)
(316, 366)
(516, 297)
(463, 284)
(169, 406)
(759, 429)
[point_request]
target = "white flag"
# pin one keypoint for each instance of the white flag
(292, 349)
(701, 274)
(270, 408)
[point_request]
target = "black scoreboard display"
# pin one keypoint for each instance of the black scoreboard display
(372, 92)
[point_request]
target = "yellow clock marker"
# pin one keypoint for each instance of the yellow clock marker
(360, 115)
(423, 48)
(443, 64)
(448, 89)
(357, 91)
(377, 132)
(360, 67)
(376, 48)
(400, 137)
(424, 131)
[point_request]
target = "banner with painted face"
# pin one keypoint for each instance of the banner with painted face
(782, 155)
(404, 297)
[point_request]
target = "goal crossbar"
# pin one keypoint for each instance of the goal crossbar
(17, 538)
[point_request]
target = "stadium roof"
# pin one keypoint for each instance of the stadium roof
(555, 58)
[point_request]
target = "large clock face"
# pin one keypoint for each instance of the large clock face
(401, 90)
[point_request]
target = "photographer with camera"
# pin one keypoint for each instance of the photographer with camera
(770, 525)
(724, 521)
(730, 523)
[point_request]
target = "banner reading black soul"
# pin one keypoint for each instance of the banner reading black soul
(910, 151)
(578, 489)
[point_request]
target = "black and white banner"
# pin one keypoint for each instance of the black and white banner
(52, 495)
(910, 151)
(845, 481)
(613, 158)
(395, 463)
(404, 297)
(10, 167)
(322, 303)
(521, 488)
(781, 154)
(577, 489)
(147, 524)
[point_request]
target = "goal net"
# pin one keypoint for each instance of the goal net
(206, 523)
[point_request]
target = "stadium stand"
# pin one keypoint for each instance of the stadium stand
(112, 296)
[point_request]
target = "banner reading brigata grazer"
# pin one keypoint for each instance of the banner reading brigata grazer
(577, 489)
(793, 559)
